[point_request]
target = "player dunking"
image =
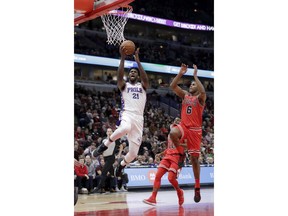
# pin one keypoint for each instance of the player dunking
(168, 164)
(190, 127)
(133, 99)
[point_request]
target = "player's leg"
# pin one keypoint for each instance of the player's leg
(134, 137)
(123, 129)
(176, 134)
(157, 183)
(196, 170)
(130, 156)
(172, 177)
(194, 141)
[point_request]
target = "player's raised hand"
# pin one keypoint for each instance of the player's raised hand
(195, 70)
(122, 51)
(183, 69)
(136, 55)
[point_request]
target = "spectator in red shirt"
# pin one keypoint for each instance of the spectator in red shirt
(81, 176)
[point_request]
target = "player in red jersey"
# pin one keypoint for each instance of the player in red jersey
(168, 164)
(190, 127)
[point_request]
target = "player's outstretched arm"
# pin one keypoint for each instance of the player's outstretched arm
(143, 75)
(174, 86)
(201, 89)
(120, 73)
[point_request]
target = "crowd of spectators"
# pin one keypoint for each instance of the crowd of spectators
(195, 11)
(92, 43)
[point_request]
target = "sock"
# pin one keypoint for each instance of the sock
(197, 183)
(123, 163)
(154, 193)
(157, 182)
(172, 179)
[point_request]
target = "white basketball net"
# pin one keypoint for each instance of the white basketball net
(114, 23)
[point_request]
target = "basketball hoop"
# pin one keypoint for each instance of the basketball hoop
(114, 22)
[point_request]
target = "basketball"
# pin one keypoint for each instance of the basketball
(129, 47)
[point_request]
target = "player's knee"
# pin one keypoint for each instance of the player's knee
(133, 154)
(194, 157)
(171, 178)
(157, 177)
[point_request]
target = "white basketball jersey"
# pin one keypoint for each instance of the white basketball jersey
(133, 98)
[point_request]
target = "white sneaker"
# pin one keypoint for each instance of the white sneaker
(117, 189)
(123, 189)
(84, 191)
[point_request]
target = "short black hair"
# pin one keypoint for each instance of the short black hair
(135, 69)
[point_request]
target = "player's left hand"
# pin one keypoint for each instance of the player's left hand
(195, 69)
(136, 55)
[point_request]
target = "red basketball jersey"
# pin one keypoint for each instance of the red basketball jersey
(191, 112)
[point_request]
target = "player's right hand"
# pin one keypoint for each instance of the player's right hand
(183, 69)
(122, 51)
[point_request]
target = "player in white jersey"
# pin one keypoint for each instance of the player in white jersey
(133, 99)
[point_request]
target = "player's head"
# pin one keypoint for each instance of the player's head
(133, 74)
(193, 87)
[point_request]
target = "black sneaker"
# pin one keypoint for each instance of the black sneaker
(118, 170)
(99, 150)
(98, 190)
(91, 191)
(197, 196)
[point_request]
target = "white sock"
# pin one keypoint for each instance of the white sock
(123, 163)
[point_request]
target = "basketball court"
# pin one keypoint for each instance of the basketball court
(130, 203)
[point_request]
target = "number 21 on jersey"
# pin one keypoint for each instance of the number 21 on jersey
(135, 96)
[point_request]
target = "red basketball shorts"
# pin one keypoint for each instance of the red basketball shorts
(193, 137)
(169, 165)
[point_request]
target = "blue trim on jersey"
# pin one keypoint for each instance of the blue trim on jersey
(122, 106)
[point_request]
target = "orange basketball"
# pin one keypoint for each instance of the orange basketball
(129, 47)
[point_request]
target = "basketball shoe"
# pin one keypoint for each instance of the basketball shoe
(197, 196)
(180, 194)
(99, 150)
(150, 201)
